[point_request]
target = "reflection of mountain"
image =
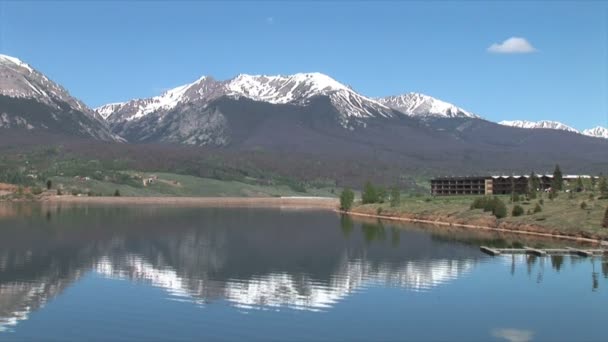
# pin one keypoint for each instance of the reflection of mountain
(28, 281)
(290, 290)
(251, 258)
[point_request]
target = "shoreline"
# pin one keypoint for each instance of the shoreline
(235, 202)
(548, 234)
(325, 203)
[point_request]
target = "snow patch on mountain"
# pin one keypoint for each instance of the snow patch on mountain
(295, 89)
(597, 132)
(4, 59)
(107, 109)
(420, 105)
(283, 89)
(543, 124)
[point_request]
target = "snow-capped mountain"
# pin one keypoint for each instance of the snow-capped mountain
(424, 106)
(598, 132)
(20, 80)
(30, 100)
(544, 124)
(295, 89)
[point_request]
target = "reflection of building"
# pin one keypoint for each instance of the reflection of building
(491, 185)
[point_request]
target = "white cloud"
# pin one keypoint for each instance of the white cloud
(513, 45)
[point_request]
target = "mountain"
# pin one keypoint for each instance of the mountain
(598, 132)
(424, 106)
(189, 113)
(544, 124)
(29, 100)
(295, 89)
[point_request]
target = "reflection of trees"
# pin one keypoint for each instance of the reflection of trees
(346, 225)
(605, 269)
(395, 237)
(557, 261)
(595, 283)
(373, 232)
(530, 261)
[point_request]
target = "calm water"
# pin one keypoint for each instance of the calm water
(107, 273)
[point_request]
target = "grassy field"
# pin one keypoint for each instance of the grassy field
(563, 213)
(168, 184)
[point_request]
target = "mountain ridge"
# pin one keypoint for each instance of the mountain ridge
(30, 100)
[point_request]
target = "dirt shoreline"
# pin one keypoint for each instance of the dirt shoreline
(259, 202)
(504, 227)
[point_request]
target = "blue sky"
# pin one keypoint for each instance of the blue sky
(114, 51)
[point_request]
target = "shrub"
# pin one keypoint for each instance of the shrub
(537, 208)
(49, 184)
(479, 203)
(515, 197)
(59, 192)
(379, 211)
(489, 205)
(499, 208)
(517, 210)
(583, 205)
(605, 224)
(369, 194)
(347, 197)
(395, 197)
(75, 192)
(552, 195)
(591, 197)
(541, 201)
(36, 190)
(117, 193)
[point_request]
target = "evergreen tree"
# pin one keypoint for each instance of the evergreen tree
(579, 184)
(369, 194)
(605, 224)
(603, 187)
(558, 179)
(395, 197)
(533, 185)
(347, 197)
(117, 193)
(49, 184)
(381, 194)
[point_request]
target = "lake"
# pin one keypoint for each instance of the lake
(153, 273)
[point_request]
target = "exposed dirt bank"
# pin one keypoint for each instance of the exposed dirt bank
(484, 224)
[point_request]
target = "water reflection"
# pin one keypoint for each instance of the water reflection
(251, 258)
